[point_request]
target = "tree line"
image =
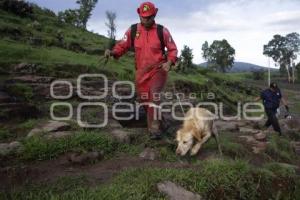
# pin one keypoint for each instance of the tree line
(78, 17)
(284, 50)
(219, 55)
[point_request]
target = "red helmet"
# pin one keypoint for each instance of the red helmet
(147, 9)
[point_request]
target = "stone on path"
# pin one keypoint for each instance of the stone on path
(175, 192)
(148, 154)
(50, 126)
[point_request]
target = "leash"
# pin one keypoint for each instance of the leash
(105, 61)
(178, 99)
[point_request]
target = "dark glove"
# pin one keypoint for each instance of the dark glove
(287, 108)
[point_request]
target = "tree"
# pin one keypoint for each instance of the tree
(297, 67)
(70, 16)
(186, 58)
(258, 74)
(111, 17)
(205, 49)
(219, 55)
(21, 8)
(85, 10)
(283, 50)
(78, 17)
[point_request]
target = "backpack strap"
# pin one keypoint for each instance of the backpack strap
(133, 30)
(160, 35)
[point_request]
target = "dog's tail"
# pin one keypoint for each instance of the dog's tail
(216, 136)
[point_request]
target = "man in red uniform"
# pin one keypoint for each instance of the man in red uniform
(152, 65)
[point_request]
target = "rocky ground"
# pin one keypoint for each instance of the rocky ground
(43, 150)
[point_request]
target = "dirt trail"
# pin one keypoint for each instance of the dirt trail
(100, 172)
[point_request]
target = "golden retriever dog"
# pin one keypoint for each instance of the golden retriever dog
(197, 128)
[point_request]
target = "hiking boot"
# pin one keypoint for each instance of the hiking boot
(155, 130)
(165, 124)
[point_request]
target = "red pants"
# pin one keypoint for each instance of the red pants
(149, 90)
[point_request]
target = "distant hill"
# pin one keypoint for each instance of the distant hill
(243, 67)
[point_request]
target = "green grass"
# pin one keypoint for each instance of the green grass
(192, 78)
(200, 80)
(28, 125)
(22, 91)
(15, 52)
(279, 149)
(230, 77)
(17, 129)
(47, 25)
(215, 179)
(281, 169)
(238, 76)
(296, 107)
(229, 146)
(38, 148)
(167, 153)
(54, 61)
(4, 134)
(23, 128)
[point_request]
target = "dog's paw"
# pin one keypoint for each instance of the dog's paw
(194, 152)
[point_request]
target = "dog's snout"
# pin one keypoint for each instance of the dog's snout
(178, 152)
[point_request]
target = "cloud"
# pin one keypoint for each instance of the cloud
(284, 20)
(246, 24)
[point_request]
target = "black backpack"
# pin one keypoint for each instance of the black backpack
(160, 35)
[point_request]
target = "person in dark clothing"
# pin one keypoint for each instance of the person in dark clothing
(271, 98)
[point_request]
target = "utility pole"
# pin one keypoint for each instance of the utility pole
(269, 72)
(293, 70)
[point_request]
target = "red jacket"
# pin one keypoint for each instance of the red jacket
(147, 49)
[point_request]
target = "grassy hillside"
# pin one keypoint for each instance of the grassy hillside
(35, 40)
(43, 166)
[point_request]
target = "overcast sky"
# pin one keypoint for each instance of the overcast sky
(246, 24)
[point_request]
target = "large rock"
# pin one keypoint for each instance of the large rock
(175, 192)
(32, 79)
(7, 148)
(148, 154)
(226, 125)
(238, 124)
(121, 135)
(259, 147)
(50, 126)
(296, 147)
(290, 124)
(123, 90)
(43, 90)
(113, 124)
(261, 136)
(248, 130)
(257, 124)
(25, 68)
(256, 146)
(59, 134)
(85, 157)
(241, 123)
(248, 138)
